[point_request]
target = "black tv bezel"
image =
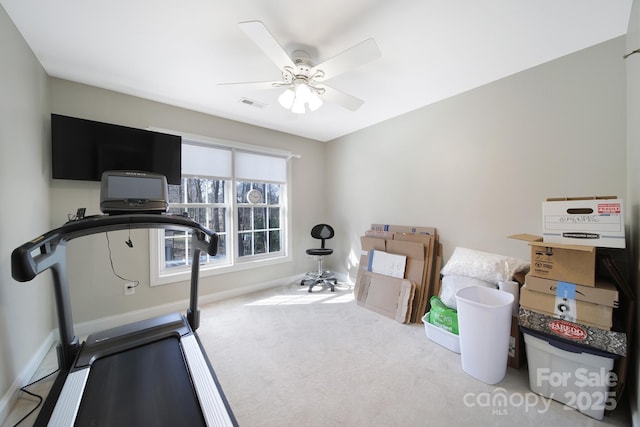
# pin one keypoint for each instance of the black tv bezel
(83, 149)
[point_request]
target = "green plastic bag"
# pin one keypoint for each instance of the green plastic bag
(443, 316)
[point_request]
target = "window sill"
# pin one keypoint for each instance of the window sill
(214, 270)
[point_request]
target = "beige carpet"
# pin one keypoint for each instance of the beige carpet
(289, 358)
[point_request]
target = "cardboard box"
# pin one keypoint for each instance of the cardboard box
(516, 345)
(604, 292)
(610, 341)
(573, 310)
(590, 221)
(615, 341)
(557, 261)
(574, 264)
(389, 296)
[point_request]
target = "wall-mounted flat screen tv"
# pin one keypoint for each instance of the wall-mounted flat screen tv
(82, 149)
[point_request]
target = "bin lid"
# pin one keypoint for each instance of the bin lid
(566, 345)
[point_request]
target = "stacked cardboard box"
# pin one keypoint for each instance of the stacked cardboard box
(590, 221)
(422, 253)
(589, 305)
(567, 299)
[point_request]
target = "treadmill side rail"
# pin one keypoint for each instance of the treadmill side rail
(68, 403)
(211, 402)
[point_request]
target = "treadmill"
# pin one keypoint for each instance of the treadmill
(153, 372)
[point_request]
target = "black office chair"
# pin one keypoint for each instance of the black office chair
(325, 277)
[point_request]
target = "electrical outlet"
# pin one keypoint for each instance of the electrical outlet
(129, 288)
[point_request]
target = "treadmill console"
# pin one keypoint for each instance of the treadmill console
(133, 192)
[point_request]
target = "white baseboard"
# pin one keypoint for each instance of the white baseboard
(86, 328)
(83, 329)
(9, 399)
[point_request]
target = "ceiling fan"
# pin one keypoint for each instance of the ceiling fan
(304, 82)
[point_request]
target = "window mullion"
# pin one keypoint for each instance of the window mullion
(200, 195)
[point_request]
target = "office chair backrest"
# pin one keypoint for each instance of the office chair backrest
(322, 232)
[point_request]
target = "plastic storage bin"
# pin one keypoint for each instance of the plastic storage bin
(438, 335)
(484, 325)
(570, 374)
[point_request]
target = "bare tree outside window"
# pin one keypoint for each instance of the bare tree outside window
(214, 191)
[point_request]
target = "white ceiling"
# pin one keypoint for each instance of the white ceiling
(177, 52)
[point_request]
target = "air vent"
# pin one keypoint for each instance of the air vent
(252, 102)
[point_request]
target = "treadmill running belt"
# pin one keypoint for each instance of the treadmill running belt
(145, 386)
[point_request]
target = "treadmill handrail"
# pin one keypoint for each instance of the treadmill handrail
(25, 265)
(48, 251)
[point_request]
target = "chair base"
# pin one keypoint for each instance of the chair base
(325, 277)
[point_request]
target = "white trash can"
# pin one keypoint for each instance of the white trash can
(484, 326)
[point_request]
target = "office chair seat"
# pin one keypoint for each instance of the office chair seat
(321, 276)
(319, 252)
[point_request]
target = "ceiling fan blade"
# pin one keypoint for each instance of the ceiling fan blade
(261, 36)
(343, 99)
(256, 85)
(353, 57)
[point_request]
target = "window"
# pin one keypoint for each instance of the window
(259, 229)
(239, 194)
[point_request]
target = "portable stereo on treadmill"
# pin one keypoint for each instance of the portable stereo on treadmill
(133, 192)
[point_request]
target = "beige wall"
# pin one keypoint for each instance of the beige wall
(633, 175)
(478, 165)
(26, 310)
(475, 166)
(95, 291)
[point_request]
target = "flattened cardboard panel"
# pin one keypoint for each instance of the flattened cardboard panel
(379, 234)
(516, 345)
(404, 229)
(409, 249)
(427, 284)
(414, 270)
(369, 243)
(405, 302)
(383, 295)
(420, 268)
(417, 254)
(362, 286)
(388, 296)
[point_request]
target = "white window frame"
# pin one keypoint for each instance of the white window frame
(232, 263)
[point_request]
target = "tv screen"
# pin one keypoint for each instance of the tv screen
(82, 149)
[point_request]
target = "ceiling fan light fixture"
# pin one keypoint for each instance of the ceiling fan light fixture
(303, 91)
(298, 106)
(298, 94)
(315, 101)
(287, 98)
